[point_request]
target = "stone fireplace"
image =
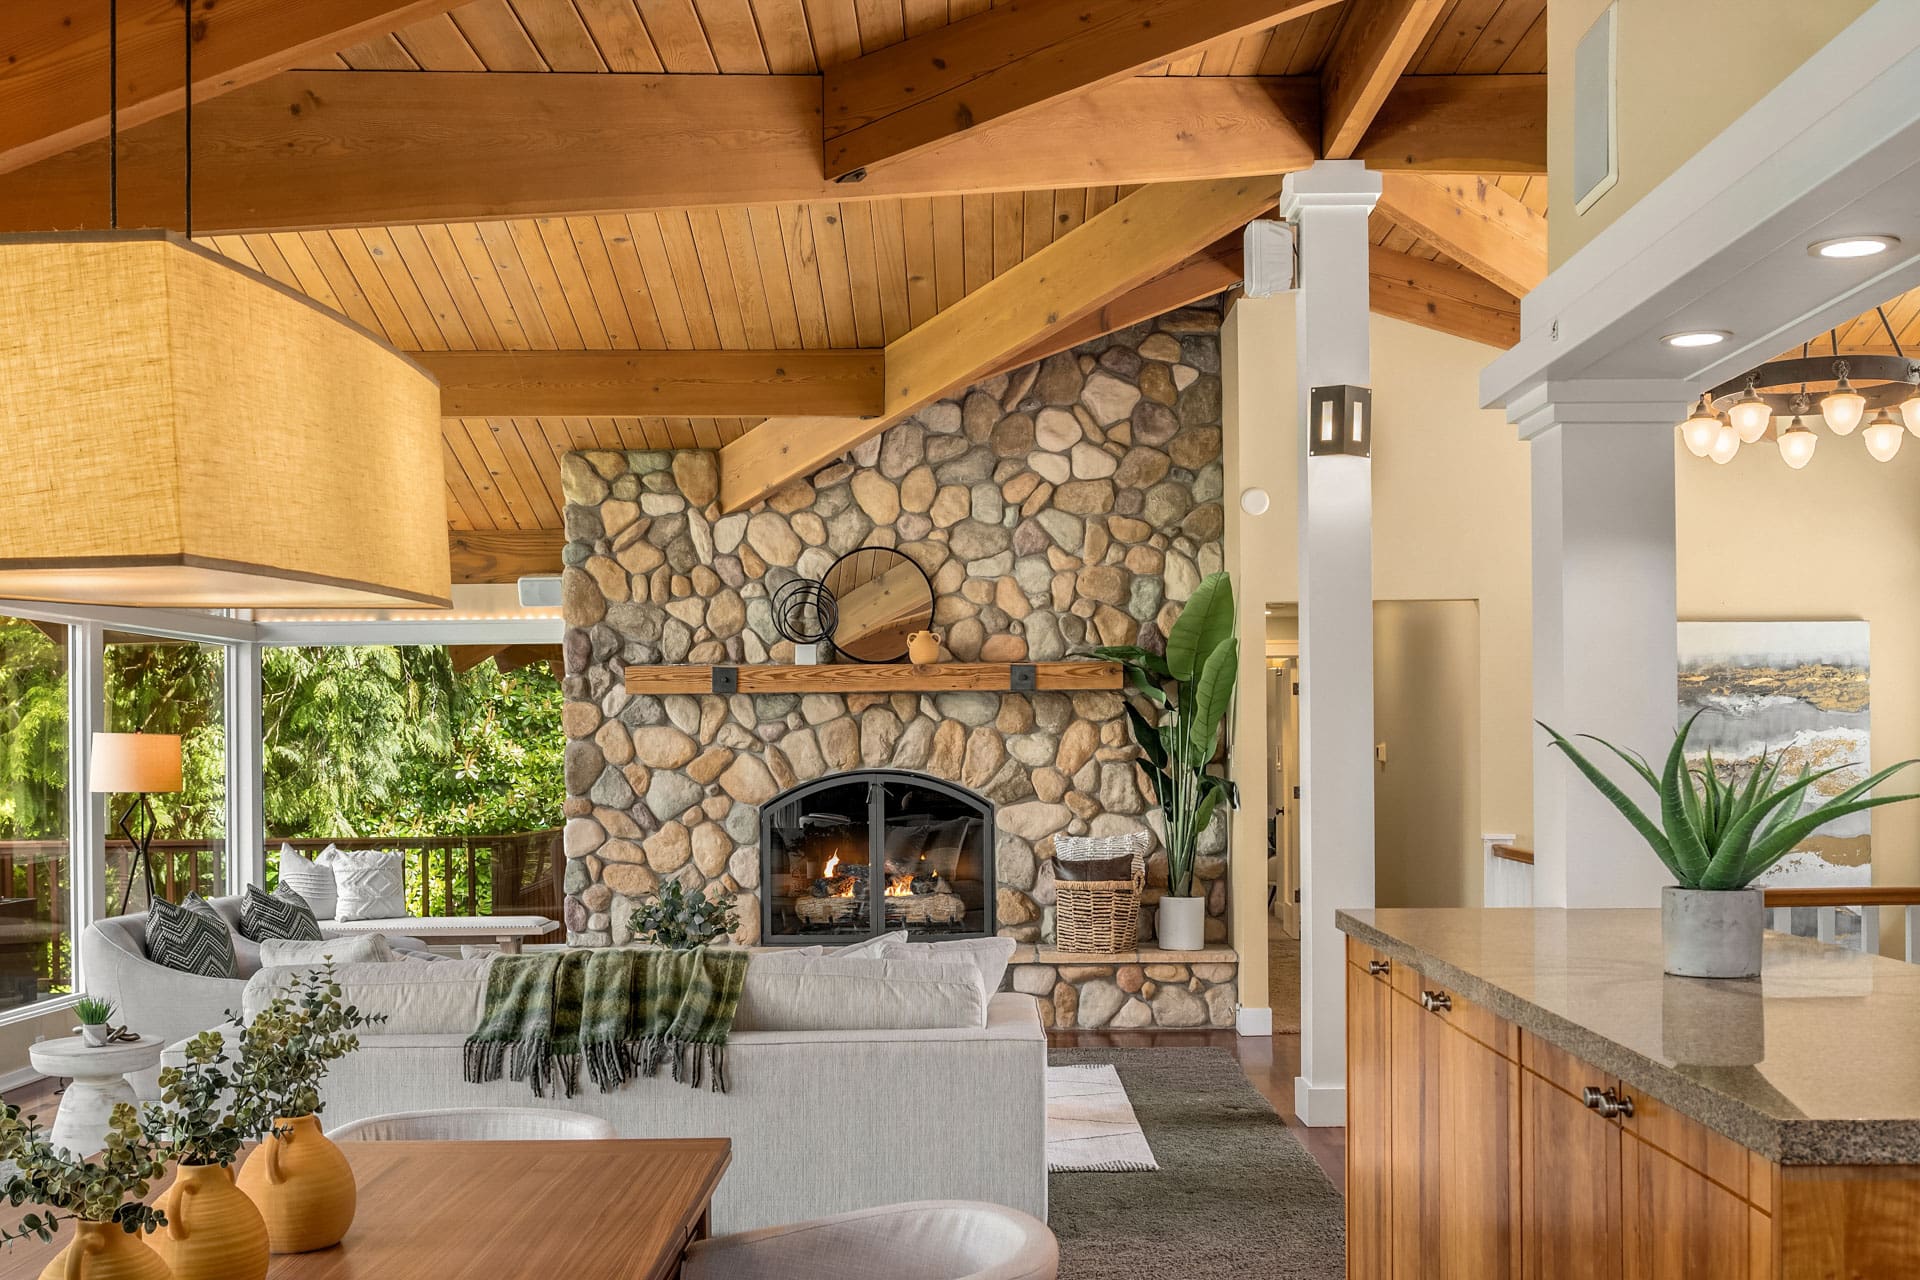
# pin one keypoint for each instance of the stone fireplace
(873, 851)
(1071, 503)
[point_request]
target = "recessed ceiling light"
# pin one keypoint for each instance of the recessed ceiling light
(1697, 338)
(1852, 246)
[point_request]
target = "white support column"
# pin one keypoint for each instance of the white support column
(86, 812)
(1329, 203)
(1605, 634)
(246, 829)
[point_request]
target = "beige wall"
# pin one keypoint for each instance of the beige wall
(1686, 69)
(17, 1037)
(1426, 718)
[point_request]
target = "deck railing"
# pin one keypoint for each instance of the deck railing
(1863, 900)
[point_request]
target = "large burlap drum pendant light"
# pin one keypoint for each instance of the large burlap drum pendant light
(178, 430)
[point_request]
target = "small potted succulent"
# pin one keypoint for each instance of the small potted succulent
(680, 921)
(94, 1014)
(102, 1196)
(213, 1231)
(300, 1181)
(1717, 836)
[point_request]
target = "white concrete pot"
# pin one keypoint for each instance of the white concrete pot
(1712, 933)
(1182, 924)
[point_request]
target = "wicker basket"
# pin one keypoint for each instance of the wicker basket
(1099, 915)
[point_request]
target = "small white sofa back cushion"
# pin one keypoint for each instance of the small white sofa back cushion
(827, 993)
(781, 993)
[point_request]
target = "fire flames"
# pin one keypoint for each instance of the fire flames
(897, 886)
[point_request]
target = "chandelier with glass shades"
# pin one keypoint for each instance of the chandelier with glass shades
(1878, 395)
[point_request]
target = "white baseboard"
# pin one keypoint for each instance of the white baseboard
(19, 1078)
(1253, 1022)
(1319, 1107)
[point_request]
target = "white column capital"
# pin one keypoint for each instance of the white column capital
(1329, 184)
(1598, 401)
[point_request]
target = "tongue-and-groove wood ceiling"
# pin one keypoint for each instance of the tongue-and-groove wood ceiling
(854, 273)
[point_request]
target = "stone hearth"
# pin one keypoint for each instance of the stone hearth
(1074, 502)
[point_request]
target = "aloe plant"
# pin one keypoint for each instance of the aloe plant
(1714, 834)
(1188, 689)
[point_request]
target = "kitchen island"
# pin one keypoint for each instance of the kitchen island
(1528, 1095)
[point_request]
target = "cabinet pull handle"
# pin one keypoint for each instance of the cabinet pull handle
(1608, 1102)
(1379, 967)
(1436, 1001)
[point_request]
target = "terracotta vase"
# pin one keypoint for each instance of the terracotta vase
(104, 1251)
(213, 1231)
(923, 648)
(303, 1186)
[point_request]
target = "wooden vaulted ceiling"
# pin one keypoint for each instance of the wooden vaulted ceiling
(452, 176)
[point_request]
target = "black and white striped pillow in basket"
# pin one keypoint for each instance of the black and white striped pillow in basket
(280, 914)
(190, 937)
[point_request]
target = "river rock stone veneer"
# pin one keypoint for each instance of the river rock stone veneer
(1073, 502)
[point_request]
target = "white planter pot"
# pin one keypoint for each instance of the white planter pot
(94, 1033)
(1182, 924)
(1712, 933)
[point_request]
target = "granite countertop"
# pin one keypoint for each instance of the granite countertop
(1816, 1062)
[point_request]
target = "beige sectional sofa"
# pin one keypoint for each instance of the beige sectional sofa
(850, 1083)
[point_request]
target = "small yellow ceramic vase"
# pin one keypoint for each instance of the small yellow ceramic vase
(104, 1251)
(213, 1231)
(923, 647)
(303, 1186)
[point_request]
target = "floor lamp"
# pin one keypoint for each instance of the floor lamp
(140, 765)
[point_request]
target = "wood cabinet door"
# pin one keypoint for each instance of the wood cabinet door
(1470, 1166)
(1369, 1085)
(1676, 1222)
(1569, 1186)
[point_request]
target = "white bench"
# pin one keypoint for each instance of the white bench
(508, 932)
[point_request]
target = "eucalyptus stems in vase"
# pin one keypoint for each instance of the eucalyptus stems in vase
(103, 1197)
(1186, 693)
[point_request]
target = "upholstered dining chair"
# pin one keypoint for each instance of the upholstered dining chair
(476, 1124)
(924, 1240)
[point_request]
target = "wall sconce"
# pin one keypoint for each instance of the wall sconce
(1341, 420)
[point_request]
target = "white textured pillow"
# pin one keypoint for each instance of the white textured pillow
(871, 949)
(418, 999)
(366, 948)
(372, 883)
(310, 880)
(989, 955)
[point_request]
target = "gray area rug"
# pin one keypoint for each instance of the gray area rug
(1236, 1195)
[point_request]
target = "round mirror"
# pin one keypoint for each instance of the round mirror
(881, 598)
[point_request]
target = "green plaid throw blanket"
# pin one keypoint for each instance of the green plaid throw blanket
(622, 1012)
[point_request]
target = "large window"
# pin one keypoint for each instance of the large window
(36, 855)
(451, 755)
(177, 687)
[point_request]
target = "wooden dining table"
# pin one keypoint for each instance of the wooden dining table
(625, 1209)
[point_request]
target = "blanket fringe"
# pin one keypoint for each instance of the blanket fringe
(612, 1063)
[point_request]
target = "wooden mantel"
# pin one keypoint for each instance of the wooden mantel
(940, 677)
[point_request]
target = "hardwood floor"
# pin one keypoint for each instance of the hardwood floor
(1270, 1064)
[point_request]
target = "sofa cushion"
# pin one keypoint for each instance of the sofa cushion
(372, 883)
(418, 999)
(280, 914)
(190, 937)
(989, 955)
(366, 948)
(832, 993)
(310, 880)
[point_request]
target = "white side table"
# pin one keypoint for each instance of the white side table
(99, 1082)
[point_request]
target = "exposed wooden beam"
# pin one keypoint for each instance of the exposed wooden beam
(1461, 124)
(53, 58)
(1376, 42)
(317, 149)
(465, 657)
(504, 384)
(1213, 270)
(903, 99)
(1473, 222)
(1110, 254)
(1437, 296)
(504, 555)
(516, 656)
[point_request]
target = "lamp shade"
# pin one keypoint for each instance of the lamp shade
(134, 763)
(179, 430)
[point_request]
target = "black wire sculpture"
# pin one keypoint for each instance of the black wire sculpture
(805, 612)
